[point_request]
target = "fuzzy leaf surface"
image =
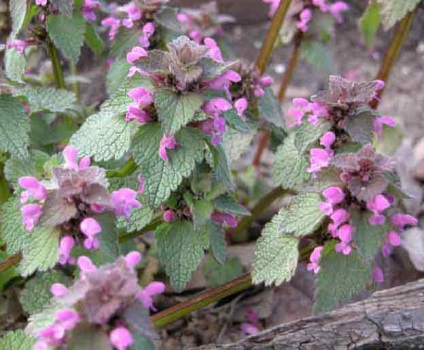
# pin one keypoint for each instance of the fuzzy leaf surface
(17, 10)
(217, 239)
(369, 23)
(181, 249)
(393, 11)
(14, 340)
(270, 109)
(14, 65)
(47, 98)
(12, 229)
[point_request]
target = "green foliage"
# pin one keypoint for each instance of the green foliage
(270, 109)
(340, 278)
(276, 256)
(67, 34)
(180, 248)
(104, 136)
(14, 65)
(235, 143)
(302, 216)
(176, 110)
(124, 41)
(228, 204)
(12, 229)
(234, 121)
(316, 54)
(116, 75)
(217, 239)
(360, 126)
(216, 274)
(137, 220)
(40, 252)
(164, 177)
(47, 98)
(14, 340)
(64, 6)
(14, 127)
(7, 275)
(36, 294)
(289, 168)
(368, 238)
(18, 9)
(394, 10)
(369, 23)
(307, 134)
(93, 39)
(201, 209)
(89, 337)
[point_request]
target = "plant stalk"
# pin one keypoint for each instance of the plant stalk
(57, 68)
(392, 53)
(271, 37)
(75, 84)
(281, 94)
(128, 168)
(10, 261)
(4, 186)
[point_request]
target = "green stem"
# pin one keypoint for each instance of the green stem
(150, 227)
(272, 35)
(128, 168)
(75, 84)
(4, 186)
(57, 68)
(392, 53)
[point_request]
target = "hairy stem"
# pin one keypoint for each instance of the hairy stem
(392, 53)
(127, 169)
(271, 37)
(4, 186)
(10, 261)
(281, 94)
(57, 68)
(75, 84)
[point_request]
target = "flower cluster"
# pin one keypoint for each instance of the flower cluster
(73, 197)
(203, 22)
(302, 10)
(106, 299)
(366, 185)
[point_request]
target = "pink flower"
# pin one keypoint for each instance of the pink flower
(214, 50)
(132, 259)
(184, 18)
(70, 155)
(319, 159)
(145, 296)
(266, 81)
(339, 216)
(167, 142)
(314, 259)
(249, 329)
(148, 30)
(223, 82)
(124, 200)
(135, 54)
(321, 4)
(392, 240)
(18, 45)
(33, 189)
(216, 106)
(65, 248)
(58, 289)
(273, 6)
(31, 214)
(345, 233)
(295, 115)
(90, 228)
(222, 218)
(88, 9)
(305, 17)
(336, 10)
(137, 114)
(142, 96)
(121, 338)
(68, 318)
(333, 195)
(142, 184)
(168, 216)
(86, 265)
(377, 275)
(344, 248)
(378, 205)
(41, 2)
(114, 25)
(240, 106)
(317, 111)
(402, 220)
(378, 125)
(327, 141)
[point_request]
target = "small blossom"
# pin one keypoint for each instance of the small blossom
(31, 214)
(90, 228)
(124, 200)
(266, 81)
(223, 218)
(336, 10)
(135, 54)
(65, 248)
(273, 6)
(321, 4)
(249, 329)
(333, 195)
(68, 318)
(314, 259)
(345, 233)
(88, 9)
(240, 106)
(305, 17)
(114, 25)
(41, 2)
(344, 248)
(121, 338)
(142, 184)
(216, 106)
(141, 96)
(319, 159)
(402, 220)
(148, 30)
(317, 111)
(214, 50)
(168, 216)
(378, 205)
(167, 142)
(145, 296)
(18, 45)
(58, 289)
(132, 259)
(86, 265)
(378, 125)
(137, 114)
(223, 82)
(339, 216)
(377, 275)
(33, 189)
(327, 141)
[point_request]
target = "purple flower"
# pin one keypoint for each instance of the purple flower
(223, 82)
(70, 155)
(58, 289)
(214, 50)
(90, 228)
(88, 9)
(249, 329)
(137, 114)
(327, 141)
(295, 115)
(145, 296)
(65, 248)
(377, 205)
(114, 25)
(142, 184)
(402, 220)
(31, 214)
(223, 218)
(124, 200)
(336, 10)
(344, 248)
(216, 106)
(240, 106)
(132, 259)
(338, 217)
(378, 125)
(141, 96)
(167, 142)
(34, 189)
(305, 16)
(321, 4)
(135, 54)
(86, 265)
(314, 259)
(273, 6)
(68, 318)
(377, 275)
(41, 2)
(319, 159)
(148, 30)
(333, 195)
(121, 338)
(168, 216)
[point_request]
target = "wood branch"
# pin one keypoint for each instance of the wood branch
(390, 319)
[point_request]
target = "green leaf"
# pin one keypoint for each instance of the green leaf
(86, 336)
(270, 109)
(47, 98)
(93, 39)
(176, 110)
(40, 252)
(369, 239)
(228, 204)
(276, 256)
(369, 23)
(16, 340)
(12, 229)
(316, 54)
(14, 127)
(302, 216)
(307, 134)
(181, 249)
(138, 320)
(14, 65)
(360, 126)
(394, 10)
(217, 239)
(18, 10)
(120, 100)
(64, 6)
(7, 275)
(201, 209)
(221, 168)
(124, 41)
(104, 136)
(235, 143)
(67, 34)
(167, 17)
(164, 177)
(36, 294)
(116, 75)
(289, 169)
(138, 219)
(234, 120)
(216, 274)
(340, 278)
